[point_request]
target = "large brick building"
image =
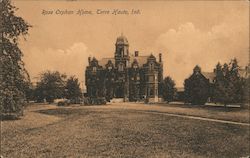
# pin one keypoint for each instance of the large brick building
(128, 76)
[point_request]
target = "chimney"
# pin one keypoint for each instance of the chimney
(89, 59)
(160, 57)
(136, 53)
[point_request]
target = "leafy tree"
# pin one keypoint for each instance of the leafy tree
(28, 89)
(168, 89)
(51, 86)
(196, 88)
(72, 90)
(12, 72)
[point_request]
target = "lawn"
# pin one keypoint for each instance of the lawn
(118, 131)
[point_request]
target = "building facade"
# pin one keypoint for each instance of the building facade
(131, 77)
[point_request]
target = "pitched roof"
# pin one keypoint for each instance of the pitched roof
(140, 59)
(180, 89)
(244, 73)
(104, 61)
(209, 75)
(122, 40)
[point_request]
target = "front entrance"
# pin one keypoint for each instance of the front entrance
(119, 91)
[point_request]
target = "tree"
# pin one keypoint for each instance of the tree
(237, 82)
(168, 89)
(28, 89)
(72, 90)
(196, 88)
(246, 89)
(51, 86)
(219, 92)
(12, 72)
(228, 85)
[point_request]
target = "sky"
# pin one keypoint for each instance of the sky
(187, 33)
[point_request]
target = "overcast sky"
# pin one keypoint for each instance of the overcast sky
(185, 32)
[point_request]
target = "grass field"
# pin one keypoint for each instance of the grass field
(124, 130)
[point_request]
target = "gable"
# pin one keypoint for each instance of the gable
(104, 61)
(140, 60)
(209, 75)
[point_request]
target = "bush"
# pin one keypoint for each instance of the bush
(63, 103)
(94, 101)
(168, 89)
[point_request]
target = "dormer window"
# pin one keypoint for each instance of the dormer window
(151, 66)
(135, 66)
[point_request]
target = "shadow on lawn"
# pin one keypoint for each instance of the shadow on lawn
(208, 107)
(62, 111)
(66, 111)
(10, 116)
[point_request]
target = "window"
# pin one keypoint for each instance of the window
(110, 68)
(127, 63)
(135, 66)
(151, 78)
(156, 78)
(150, 91)
(120, 67)
(151, 66)
(94, 69)
(122, 52)
(138, 77)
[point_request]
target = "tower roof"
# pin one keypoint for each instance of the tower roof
(197, 69)
(122, 40)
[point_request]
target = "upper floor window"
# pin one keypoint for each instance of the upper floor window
(135, 66)
(120, 67)
(110, 68)
(151, 78)
(156, 78)
(138, 77)
(151, 66)
(94, 69)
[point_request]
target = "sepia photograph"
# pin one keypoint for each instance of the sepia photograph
(135, 78)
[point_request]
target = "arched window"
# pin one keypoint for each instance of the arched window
(151, 66)
(120, 67)
(138, 77)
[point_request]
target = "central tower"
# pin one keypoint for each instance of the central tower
(122, 65)
(121, 51)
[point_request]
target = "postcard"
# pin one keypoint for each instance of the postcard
(136, 78)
